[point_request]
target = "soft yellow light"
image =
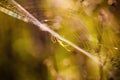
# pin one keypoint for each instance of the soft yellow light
(64, 4)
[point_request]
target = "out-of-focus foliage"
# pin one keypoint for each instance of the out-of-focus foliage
(27, 53)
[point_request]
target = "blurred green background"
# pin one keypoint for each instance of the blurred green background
(28, 53)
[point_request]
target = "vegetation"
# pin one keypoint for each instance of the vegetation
(28, 52)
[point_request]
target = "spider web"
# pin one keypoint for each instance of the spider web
(14, 7)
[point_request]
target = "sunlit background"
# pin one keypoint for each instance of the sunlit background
(29, 53)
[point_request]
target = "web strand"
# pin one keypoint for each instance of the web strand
(32, 19)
